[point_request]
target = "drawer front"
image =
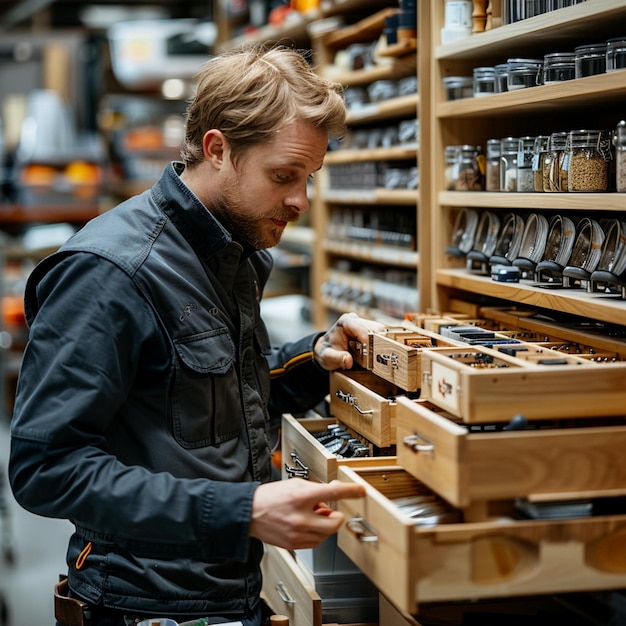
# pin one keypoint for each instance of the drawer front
(305, 457)
(481, 385)
(361, 400)
(286, 589)
(462, 561)
(396, 362)
(466, 467)
(302, 455)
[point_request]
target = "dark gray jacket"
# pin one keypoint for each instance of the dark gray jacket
(145, 403)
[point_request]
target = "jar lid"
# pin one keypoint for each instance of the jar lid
(515, 62)
(484, 71)
(560, 56)
(595, 47)
(457, 81)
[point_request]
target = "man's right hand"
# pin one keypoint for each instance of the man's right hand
(295, 513)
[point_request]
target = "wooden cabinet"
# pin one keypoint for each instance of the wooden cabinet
(591, 102)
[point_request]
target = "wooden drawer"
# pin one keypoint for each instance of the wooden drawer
(366, 403)
(286, 589)
(465, 466)
(413, 564)
(396, 355)
(308, 458)
(482, 385)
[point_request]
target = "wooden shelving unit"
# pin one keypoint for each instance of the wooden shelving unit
(594, 101)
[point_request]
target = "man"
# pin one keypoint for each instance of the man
(149, 387)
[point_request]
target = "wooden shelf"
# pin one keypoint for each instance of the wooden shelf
(534, 201)
(400, 68)
(601, 89)
(599, 306)
(395, 153)
(402, 197)
(373, 253)
(401, 106)
(594, 19)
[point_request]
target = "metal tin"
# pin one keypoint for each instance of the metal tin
(524, 73)
(590, 60)
(484, 81)
(559, 66)
(616, 54)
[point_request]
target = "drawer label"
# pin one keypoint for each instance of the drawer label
(445, 386)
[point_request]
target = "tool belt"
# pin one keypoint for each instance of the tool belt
(68, 611)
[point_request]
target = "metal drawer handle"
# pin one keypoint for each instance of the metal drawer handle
(418, 443)
(283, 593)
(301, 471)
(388, 359)
(363, 531)
(352, 401)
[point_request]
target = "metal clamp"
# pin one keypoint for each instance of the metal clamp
(302, 471)
(418, 443)
(352, 401)
(283, 593)
(363, 531)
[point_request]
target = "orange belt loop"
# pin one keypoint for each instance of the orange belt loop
(80, 561)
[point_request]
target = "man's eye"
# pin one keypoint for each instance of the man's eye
(282, 178)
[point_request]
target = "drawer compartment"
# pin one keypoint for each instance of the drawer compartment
(413, 564)
(366, 403)
(466, 466)
(286, 589)
(305, 457)
(482, 385)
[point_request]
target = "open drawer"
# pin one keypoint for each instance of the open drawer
(366, 403)
(412, 563)
(482, 385)
(305, 457)
(466, 465)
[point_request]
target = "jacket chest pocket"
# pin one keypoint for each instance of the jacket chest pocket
(206, 406)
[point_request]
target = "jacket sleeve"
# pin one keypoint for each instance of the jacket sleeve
(298, 383)
(88, 345)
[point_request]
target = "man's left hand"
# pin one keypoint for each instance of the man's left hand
(331, 349)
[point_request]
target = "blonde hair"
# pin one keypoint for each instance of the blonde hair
(248, 94)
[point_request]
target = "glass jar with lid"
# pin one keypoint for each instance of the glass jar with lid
(501, 77)
(450, 166)
(540, 149)
(508, 163)
(616, 54)
(484, 81)
(492, 166)
(559, 66)
(469, 169)
(619, 141)
(525, 182)
(524, 73)
(554, 173)
(588, 156)
(590, 60)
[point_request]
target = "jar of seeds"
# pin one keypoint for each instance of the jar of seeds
(588, 156)
(619, 141)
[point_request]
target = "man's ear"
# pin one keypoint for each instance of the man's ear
(214, 145)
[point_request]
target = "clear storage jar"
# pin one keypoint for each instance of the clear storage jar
(450, 167)
(619, 141)
(524, 73)
(501, 77)
(554, 174)
(525, 182)
(484, 81)
(590, 60)
(540, 150)
(492, 166)
(559, 66)
(616, 54)
(469, 173)
(588, 156)
(508, 163)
